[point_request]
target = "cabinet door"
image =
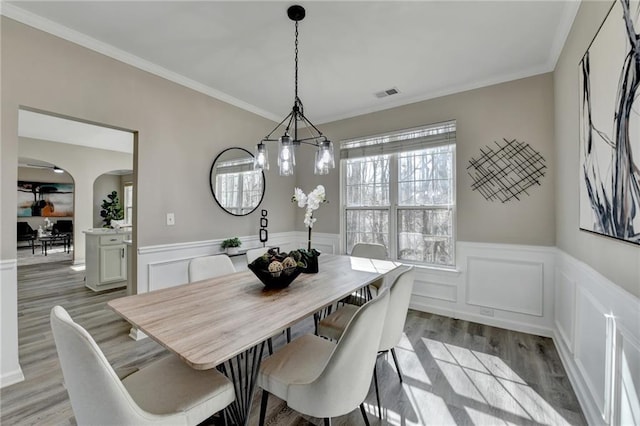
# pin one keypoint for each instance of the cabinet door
(113, 263)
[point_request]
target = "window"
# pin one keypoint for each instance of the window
(128, 204)
(238, 186)
(399, 191)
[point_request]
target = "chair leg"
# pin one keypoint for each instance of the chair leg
(364, 414)
(395, 360)
(263, 407)
(288, 334)
(270, 345)
(327, 421)
(375, 382)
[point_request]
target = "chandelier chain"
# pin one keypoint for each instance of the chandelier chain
(296, 61)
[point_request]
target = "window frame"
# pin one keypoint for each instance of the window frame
(394, 208)
(128, 209)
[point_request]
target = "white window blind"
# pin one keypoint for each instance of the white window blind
(400, 141)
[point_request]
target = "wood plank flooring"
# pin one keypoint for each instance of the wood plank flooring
(456, 372)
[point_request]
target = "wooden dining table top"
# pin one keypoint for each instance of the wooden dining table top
(208, 322)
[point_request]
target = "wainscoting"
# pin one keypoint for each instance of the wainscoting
(540, 290)
(10, 371)
(597, 333)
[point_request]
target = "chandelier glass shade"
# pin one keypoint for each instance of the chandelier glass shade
(294, 124)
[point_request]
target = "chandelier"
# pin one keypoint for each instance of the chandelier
(324, 159)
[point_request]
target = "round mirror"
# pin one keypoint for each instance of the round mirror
(235, 186)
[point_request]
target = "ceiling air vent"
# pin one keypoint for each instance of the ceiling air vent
(388, 92)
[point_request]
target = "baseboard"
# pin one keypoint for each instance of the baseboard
(581, 390)
(10, 370)
(11, 378)
(481, 319)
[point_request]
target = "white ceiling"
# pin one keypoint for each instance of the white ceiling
(242, 52)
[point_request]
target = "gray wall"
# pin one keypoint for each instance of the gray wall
(616, 260)
(521, 109)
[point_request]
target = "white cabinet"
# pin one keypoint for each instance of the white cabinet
(106, 259)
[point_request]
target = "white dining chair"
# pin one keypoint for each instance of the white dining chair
(165, 392)
(202, 268)
(334, 325)
(369, 250)
(254, 253)
(321, 379)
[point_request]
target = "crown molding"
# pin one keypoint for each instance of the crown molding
(566, 22)
(48, 26)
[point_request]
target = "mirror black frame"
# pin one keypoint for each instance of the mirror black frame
(213, 192)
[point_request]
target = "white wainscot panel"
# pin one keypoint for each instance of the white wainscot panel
(591, 345)
(565, 307)
(627, 381)
(168, 273)
(508, 285)
(435, 290)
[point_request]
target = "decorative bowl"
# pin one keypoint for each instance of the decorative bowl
(273, 280)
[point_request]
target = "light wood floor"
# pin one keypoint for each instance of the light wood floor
(456, 372)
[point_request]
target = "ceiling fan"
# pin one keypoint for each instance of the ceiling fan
(55, 168)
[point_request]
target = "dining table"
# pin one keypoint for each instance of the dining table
(224, 322)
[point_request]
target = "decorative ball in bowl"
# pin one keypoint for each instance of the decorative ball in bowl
(276, 270)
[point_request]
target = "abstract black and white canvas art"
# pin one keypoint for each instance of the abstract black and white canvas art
(610, 127)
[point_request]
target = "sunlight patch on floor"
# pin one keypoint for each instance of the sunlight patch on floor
(487, 379)
(481, 418)
(407, 356)
(77, 268)
(484, 390)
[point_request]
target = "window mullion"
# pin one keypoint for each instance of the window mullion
(393, 206)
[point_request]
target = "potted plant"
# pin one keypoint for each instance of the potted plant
(111, 209)
(231, 245)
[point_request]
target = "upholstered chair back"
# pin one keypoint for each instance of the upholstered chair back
(400, 296)
(97, 394)
(202, 268)
(253, 254)
(370, 251)
(344, 382)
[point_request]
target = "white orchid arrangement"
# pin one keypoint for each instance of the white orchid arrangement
(311, 202)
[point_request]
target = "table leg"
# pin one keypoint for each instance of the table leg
(243, 373)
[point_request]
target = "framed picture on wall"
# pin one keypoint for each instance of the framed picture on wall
(45, 199)
(610, 127)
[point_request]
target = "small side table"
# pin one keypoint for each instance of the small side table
(50, 239)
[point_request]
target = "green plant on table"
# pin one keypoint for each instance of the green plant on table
(231, 242)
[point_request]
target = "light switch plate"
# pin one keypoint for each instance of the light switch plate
(171, 219)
